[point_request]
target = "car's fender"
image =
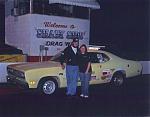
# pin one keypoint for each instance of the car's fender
(50, 77)
(119, 70)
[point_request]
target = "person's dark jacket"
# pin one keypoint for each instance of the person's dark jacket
(69, 57)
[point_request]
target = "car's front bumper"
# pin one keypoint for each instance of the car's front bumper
(17, 81)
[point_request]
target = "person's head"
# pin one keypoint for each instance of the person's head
(75, 42)
(83, 49)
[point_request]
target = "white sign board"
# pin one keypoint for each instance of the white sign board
(57, 32)
(29, 31)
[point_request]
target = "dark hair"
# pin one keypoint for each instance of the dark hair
(83, 45)
(75, 40)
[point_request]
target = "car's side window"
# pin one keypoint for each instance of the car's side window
(98, 57)
(105, 57)
(93, 57)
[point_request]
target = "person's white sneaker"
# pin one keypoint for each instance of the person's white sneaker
(81, 95)
(86, 96)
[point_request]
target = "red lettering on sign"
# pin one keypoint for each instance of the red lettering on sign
(54, 25)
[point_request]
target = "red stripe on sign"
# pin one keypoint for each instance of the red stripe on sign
(37, 58)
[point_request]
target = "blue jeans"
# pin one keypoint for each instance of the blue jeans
(72, 73)
(85, 78)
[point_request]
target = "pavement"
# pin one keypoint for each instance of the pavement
(132, 99)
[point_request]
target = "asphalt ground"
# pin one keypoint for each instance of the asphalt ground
(132, 99)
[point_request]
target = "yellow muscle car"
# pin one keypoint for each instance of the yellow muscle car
(48, 76)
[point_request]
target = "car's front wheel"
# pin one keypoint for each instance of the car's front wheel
(117, 79)
(48, 86)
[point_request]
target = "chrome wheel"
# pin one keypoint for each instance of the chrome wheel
(118, 79)
(49, 87)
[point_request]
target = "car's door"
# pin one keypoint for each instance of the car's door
(97, 61)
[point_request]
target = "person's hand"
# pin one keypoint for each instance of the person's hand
(86, 72)
(63, 66)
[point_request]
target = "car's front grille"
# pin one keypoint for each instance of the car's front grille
(15, 73)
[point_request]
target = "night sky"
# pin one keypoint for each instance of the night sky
(121, 25)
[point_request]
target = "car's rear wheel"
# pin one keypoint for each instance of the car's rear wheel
(48, 86)
(117, 79)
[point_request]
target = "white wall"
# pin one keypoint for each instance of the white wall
(3, 72)
(146, 67)
(17, 32)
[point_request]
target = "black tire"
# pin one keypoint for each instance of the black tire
(48, 86)
(118, 79)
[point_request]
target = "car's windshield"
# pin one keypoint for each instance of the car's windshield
(56, 57)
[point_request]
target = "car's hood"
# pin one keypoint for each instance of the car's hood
(34, 65)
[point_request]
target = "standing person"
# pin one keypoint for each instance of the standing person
(69, 56)
(85, 70)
